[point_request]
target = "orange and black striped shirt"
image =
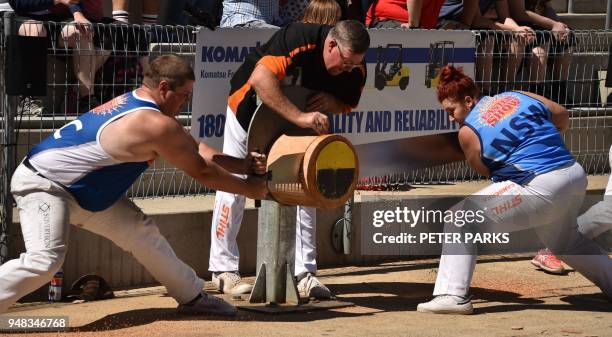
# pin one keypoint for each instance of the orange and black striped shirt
(297, 45)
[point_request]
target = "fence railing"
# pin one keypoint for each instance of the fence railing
(83, 72)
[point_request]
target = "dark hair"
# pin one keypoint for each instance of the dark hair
(171, 68)
(455, 85)
(351, 34)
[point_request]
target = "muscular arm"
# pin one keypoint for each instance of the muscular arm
(171, 143)
(147, 134)
(253, 163)
(267, 87)
(471, 148)
(559, 115)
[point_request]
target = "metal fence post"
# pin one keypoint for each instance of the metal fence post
(608, 13)
(9, 106)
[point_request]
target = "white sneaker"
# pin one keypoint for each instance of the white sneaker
(208, 304)
(447, 304)
(310, 286)
(231, 283)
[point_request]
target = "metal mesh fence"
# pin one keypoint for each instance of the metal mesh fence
(91, 67)
(569, 69)
(5, 141)
(83, 72)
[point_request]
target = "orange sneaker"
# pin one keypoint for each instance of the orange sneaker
(548, 262)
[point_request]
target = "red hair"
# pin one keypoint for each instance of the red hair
(455, 85)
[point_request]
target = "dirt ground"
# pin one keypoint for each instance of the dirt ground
(510, 298)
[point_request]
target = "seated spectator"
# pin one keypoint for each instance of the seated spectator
(150, 10)
(251, 13)
(403, 13)
(77, 35)
(555, 46)
(467, 14)
(320, 11)
(326, 12)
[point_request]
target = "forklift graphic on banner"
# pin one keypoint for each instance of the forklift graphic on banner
(440, 52)
(398, 75)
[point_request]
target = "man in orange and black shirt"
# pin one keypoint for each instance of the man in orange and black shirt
(331, 62)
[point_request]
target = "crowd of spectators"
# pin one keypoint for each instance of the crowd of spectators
(537, 62)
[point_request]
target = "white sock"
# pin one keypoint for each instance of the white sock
(121, 15)
(149, 19)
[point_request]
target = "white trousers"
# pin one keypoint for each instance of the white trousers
(229, 210)
(598, 219)
(551, 206)
(46, 210)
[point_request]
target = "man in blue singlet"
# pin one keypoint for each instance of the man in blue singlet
(80, 174)
(514, 138)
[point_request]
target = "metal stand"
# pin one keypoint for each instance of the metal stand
(275, 290)
(275, 283)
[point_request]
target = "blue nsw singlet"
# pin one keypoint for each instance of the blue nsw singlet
(518, 141)
(73, 157)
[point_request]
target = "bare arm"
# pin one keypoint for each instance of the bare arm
(254, 163)
(267, 87)
(473, 18)
(559, 116)
(517, 10)
(540, 20)
(550, 12)
(169, 141)
(414, 12)
(471, 148)
(502, 10)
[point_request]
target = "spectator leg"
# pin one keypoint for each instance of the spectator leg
(121, 10)
(86, 59)
(515, 57)
(560, 73)
(561, 64)
(150, 10)
(537, 63)
(32, 28)
(484, 63)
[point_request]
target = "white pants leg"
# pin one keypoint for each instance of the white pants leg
(553, 200)
(306, 240)
(598, 219)
(44, 212)
(129, 228)
(229, 208)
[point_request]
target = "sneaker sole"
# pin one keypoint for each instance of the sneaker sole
(447, 312)
(547, 269)
(242, 289)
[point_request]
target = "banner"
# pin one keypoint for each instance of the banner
(398, 102)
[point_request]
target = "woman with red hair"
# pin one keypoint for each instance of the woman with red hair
(514, 138)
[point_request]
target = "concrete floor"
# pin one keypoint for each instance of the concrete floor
(511, 298)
